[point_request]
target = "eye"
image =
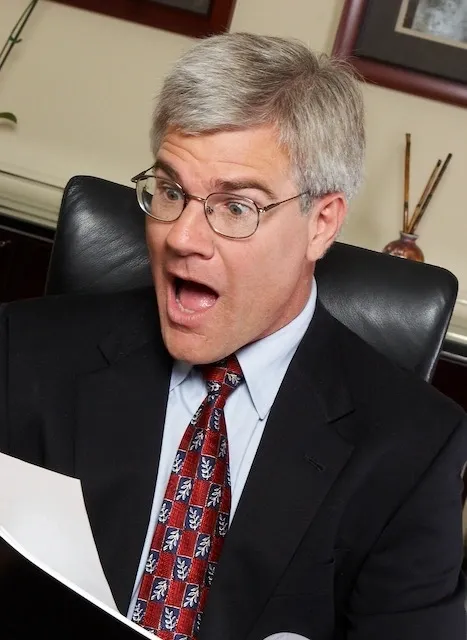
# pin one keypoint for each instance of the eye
(238, 209)
(168, 192)
(172, 193)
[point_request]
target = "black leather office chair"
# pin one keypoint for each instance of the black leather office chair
(400, 307)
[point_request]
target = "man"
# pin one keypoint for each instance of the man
(337, 474)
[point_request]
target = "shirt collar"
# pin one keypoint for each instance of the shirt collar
(265, 361)
(180, 371)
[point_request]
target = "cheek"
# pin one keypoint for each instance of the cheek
(155, 238)
(257, 272)
(283, 256)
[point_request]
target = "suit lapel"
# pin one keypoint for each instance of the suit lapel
(120, 418)
(299, 457)
(120, 414)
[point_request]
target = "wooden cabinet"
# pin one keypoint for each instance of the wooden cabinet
(451, 378)
(24, 258)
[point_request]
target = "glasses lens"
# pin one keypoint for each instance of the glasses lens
(160, 198)
(232, 215)
(144, 192)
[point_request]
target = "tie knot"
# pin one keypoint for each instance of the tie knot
(222, 377)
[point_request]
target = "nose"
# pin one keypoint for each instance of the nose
(191, 233)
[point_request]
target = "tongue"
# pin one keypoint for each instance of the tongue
(195, 297)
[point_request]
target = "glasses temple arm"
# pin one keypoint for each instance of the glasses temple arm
(140, 175)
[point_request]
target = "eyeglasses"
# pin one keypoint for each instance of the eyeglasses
(228, 214)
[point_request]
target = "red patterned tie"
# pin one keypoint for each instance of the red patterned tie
(194, 517)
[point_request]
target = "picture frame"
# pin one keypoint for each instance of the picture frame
(385, 45)
(170, 15)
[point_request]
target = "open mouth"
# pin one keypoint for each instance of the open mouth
(193, 297)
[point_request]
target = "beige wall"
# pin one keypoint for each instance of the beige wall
(82, 86)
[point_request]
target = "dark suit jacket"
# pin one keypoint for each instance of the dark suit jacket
(349, 525)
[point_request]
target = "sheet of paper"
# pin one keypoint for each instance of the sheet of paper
(43, 516)
(108, 609)
(45, 513)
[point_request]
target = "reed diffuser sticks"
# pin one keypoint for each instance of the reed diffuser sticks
(410, 224)
(423, 197)
(432, 185)
(405, 223)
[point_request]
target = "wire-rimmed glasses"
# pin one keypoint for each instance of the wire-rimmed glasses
(228, 214)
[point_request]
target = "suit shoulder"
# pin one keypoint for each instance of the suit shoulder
(63, 312)
(395, 394)
(70, 322)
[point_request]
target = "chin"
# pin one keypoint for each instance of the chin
(189, 347)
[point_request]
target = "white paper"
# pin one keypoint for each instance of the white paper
(45, 513)
(43, 516)
(110, 610)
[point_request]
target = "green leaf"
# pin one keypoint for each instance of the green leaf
(9, 116)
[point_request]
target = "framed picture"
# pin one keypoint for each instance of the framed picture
(195, 18)
(416, 46)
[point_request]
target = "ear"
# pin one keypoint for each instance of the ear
(324, 223)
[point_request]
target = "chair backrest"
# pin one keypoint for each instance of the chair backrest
(400, 307)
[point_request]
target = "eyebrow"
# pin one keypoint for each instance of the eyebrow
(220, 185)
(166, 168)
(239, 185)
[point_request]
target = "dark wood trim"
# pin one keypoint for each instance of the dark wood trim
(163, 17)
(349, 25)
(25, 251)
(387, 75)
(26, 228)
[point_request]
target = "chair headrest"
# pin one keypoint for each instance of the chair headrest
(400, 307)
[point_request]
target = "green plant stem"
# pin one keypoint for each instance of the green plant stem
(13, 38)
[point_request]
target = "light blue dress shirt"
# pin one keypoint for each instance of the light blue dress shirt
(264, 364)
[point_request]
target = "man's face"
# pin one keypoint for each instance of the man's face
(217, 294)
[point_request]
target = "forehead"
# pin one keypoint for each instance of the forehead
(237, 154)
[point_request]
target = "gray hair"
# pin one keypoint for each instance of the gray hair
(239, 80)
